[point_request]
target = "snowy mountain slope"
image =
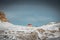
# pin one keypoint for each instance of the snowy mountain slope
(9, 26)
(51, 26)
(51, 30)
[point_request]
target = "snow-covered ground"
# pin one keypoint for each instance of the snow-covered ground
(10, 31)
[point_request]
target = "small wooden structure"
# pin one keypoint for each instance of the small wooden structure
(29, 25)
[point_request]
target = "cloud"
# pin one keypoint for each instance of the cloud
(36, 19)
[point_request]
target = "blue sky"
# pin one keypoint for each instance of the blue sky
(31, 13)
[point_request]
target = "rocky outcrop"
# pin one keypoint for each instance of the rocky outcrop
(28, 36)
(3, 17)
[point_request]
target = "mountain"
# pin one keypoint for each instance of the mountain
(45, 32)
(49, 31)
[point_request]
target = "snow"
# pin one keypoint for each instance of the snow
(7, 25)
(50, 26)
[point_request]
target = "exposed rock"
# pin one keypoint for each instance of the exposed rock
(30, 36)
(3, 17)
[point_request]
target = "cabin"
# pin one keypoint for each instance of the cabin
(29, 25)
